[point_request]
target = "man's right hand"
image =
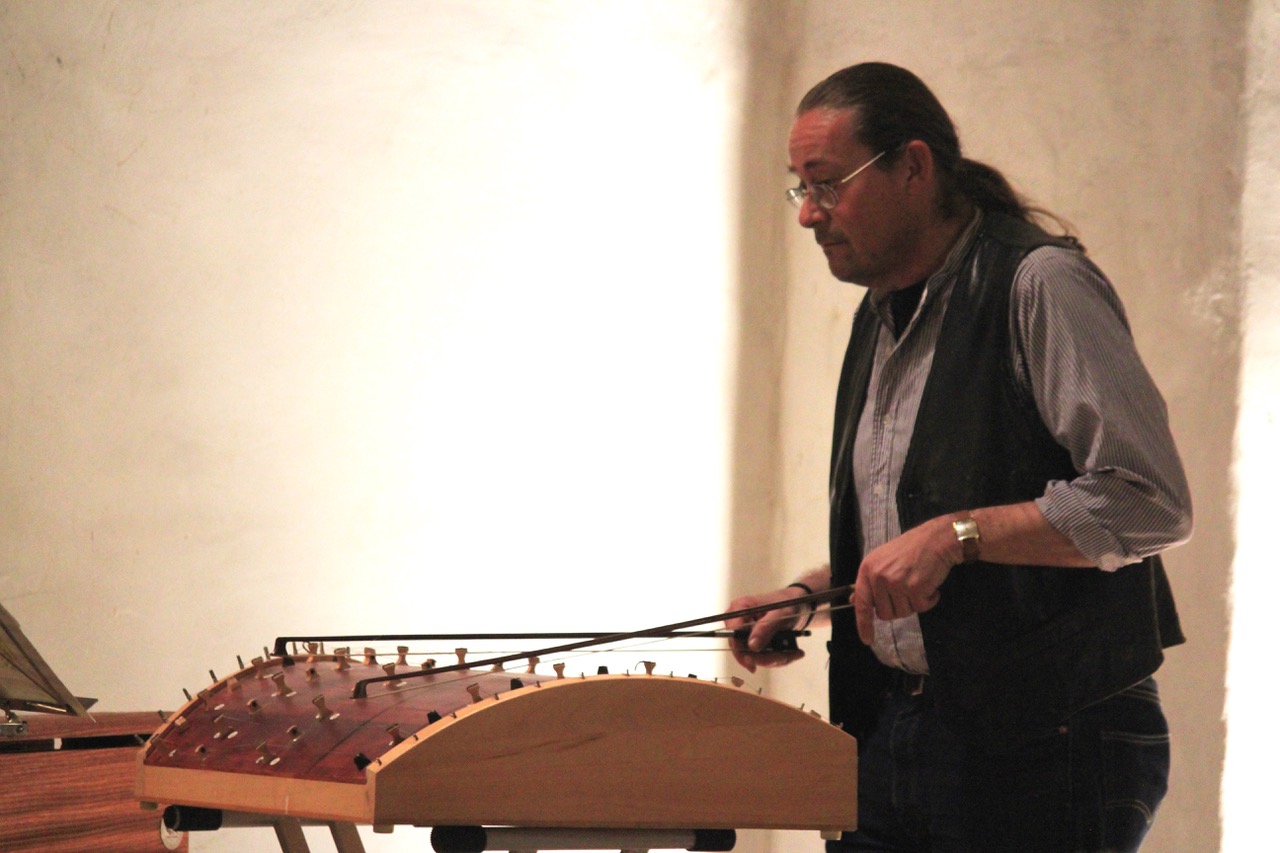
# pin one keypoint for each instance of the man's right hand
(754, 652)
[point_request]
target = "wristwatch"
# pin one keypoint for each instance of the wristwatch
(969, 535)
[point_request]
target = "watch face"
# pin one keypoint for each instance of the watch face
(967, 532)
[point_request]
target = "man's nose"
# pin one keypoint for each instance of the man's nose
(811, 213)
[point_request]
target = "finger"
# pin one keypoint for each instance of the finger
(863, 609)
(888, 602)
(898, 606)
(742, 654)
(926, 601)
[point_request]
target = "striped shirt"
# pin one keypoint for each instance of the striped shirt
(1073, 351)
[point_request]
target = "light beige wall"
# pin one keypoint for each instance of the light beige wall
(1122, 118)
(293, 295)
(350, 317)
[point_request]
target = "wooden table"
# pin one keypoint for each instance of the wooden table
(69, 786)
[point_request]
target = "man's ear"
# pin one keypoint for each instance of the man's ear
(917, 159)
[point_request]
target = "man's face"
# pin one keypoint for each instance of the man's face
(867, 235)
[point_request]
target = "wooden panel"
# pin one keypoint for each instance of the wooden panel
(78, 798)
(617, 751)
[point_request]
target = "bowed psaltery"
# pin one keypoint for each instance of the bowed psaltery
(631, 760)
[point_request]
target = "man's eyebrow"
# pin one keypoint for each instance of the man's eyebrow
(816, 163)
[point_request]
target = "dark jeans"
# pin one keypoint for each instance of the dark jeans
(1092, 784)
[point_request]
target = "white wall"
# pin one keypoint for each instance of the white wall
(1252, 751)
(335, 317)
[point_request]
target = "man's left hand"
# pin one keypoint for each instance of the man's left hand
(903, 575)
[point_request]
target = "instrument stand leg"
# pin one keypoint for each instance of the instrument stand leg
(345, 837)
(289, 834)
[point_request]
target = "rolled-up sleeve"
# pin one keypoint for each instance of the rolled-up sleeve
(1075, 352)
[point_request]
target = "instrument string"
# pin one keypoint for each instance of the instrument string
(469, 675)
(630, 644)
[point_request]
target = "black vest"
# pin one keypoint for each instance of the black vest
(1011, 648)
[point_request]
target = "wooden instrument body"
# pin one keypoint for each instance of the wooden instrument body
(471, 747)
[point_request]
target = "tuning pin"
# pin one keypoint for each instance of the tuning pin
(267, 757)
(462, 656)
(370, 656)
(474, 690)
(187, 693)
(533, 664)
(813, 713)
(257, 666)
(559, 668)
(497, 667)
(648, 666)
(390, 670)
(394, 731)
(428, 664)
(240, 661)
(736, 681)
(402, 653)
(313, 649)
(343, 655)
(282, 689)
(224, 728)
(323, 712)
(266, 653)
(233, 683)
(212, 677)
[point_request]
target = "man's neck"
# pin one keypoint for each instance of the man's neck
(932, 249)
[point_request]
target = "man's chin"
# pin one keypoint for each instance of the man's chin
(842, 271)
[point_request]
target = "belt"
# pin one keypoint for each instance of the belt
(906, 683)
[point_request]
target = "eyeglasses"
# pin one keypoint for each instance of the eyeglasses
(826, 194)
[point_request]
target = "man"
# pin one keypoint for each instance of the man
(1002, 480)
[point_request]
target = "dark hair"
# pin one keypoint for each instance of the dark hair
(894, 107)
